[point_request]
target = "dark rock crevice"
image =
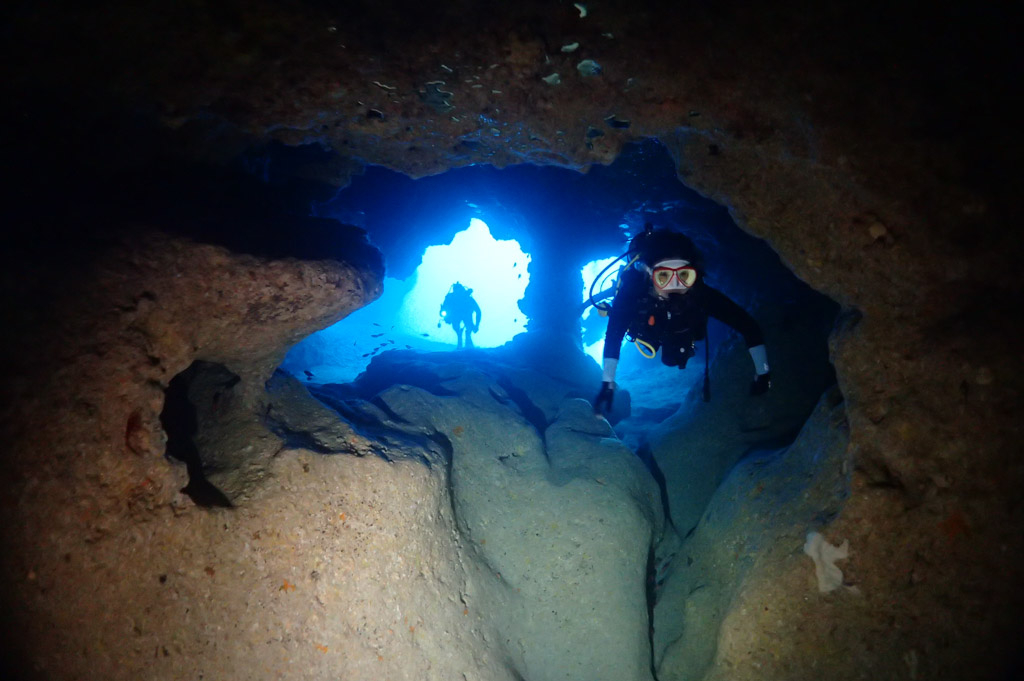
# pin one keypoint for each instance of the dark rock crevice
(180, 421)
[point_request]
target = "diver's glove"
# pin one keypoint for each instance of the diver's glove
(761, 384)
(604, 397)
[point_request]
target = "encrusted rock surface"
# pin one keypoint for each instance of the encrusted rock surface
(756, 517)
(86, 472)
(697, 447)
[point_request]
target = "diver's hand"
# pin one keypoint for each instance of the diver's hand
(604, 397)
(761, 384)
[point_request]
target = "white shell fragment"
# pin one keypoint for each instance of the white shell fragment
(825, 556)
(582, 8)
(553, 79)
(571, 47)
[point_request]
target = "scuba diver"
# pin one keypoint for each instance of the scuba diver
(460, 310)
(661, 301)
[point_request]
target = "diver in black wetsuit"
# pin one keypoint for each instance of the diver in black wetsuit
(663, 302)
(461, 311)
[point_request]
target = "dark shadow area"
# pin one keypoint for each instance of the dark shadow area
(181, 423)
(647, 457)
(651, 590)
(530, 411)
(422, 375)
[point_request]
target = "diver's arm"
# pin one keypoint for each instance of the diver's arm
(631, 291)
(719, 306)
(619, 318)
(476, 311)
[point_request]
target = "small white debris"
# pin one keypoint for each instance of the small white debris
(383, 86)
(877, 231)
(825, 556)
(495, 92)
(447, 68)
(588, 67)
(571, 47)
(332, 29)
(610, 36)
(553, 79)
(581, 7)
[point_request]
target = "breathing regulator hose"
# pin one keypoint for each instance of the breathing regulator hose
(603, 307)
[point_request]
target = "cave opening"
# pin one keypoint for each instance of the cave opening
(874, 147)
(571, 224)
(411, 313)
(504, 409)
(729, 472)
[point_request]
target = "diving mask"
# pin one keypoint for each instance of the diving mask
(673, 276)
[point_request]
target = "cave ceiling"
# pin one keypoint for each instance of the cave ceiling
(844, 116)
(422, 87)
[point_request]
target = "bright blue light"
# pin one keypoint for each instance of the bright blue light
(592, 269)
(405, 317)
(590, 272)
(495, 270)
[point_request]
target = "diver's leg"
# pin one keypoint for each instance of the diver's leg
(469, 335)
(458, 333)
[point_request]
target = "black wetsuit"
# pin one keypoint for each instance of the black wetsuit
(672, 324)
(460, 310)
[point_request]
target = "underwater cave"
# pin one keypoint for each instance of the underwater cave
(245, 442)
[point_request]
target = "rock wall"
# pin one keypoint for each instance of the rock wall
(560, 521)
(85, 473)
(755, 518)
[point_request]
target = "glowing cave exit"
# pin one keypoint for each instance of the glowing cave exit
(496, 272)
(406, 316)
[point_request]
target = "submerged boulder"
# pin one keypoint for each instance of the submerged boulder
(558, 519)
(752, 530)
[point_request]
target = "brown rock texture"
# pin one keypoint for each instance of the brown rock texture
(86, 473)
(872, 148)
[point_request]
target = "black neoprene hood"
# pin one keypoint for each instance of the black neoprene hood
(664, 244)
